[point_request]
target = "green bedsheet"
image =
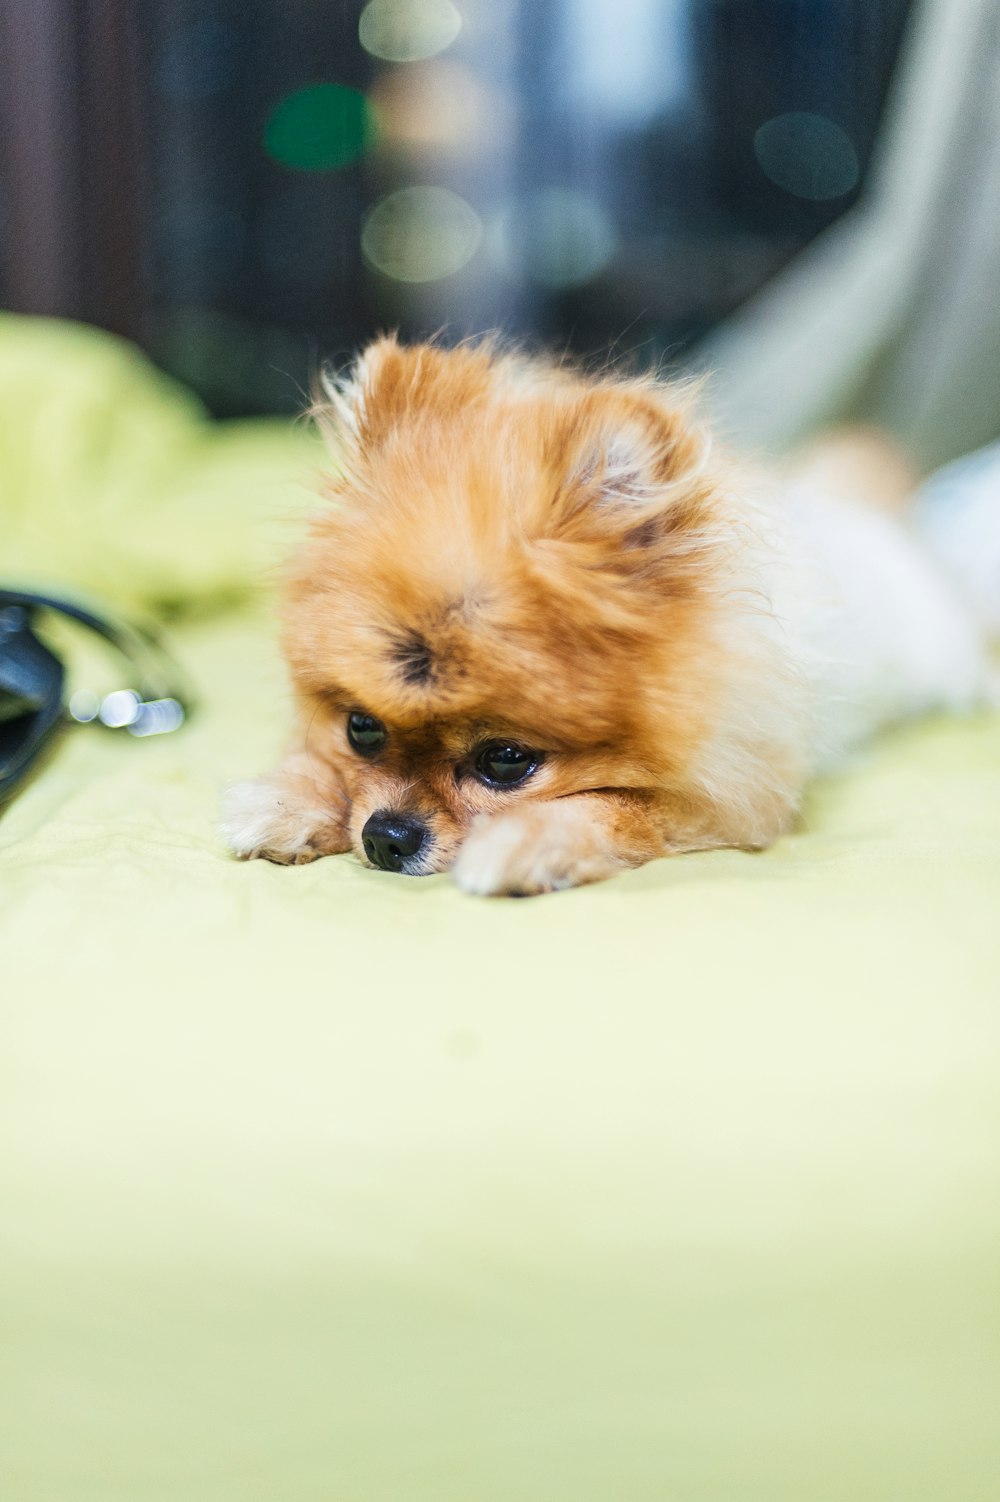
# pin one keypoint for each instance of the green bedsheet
(322, 1185)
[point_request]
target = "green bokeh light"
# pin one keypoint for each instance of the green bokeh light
(319, 128)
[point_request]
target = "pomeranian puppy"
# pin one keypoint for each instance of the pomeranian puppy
(539, 633)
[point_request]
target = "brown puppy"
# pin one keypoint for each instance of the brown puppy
(537, 634)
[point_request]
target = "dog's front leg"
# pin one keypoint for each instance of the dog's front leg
(297, 813)
(567, 842)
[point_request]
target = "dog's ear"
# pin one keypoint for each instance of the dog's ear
(619, 464)
(393, 387)
(344, 400)
(633, 464)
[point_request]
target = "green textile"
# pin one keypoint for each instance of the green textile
(113, 480)
(325, 1185)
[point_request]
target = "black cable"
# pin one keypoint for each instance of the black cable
(159, 674)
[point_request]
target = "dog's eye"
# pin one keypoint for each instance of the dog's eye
(366, 734)
(503, 764)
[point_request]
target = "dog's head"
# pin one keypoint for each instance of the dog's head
(507, 595)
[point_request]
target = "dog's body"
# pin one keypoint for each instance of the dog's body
(540, 634)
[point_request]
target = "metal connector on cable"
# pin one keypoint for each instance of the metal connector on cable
(32, 680)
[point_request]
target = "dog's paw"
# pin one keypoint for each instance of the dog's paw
(542, 849)
(266, 820)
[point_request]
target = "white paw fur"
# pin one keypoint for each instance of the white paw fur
(261, 819)
(523, 854)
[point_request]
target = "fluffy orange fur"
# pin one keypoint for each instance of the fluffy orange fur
(515, 553)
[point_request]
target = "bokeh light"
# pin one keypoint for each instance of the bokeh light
(403, 31)
(558, 238)
(420, 234)
(319, 128)
(807, 155)
(439, 106)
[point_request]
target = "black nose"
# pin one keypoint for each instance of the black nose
(389, 839)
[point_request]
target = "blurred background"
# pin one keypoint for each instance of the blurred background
(244, 188)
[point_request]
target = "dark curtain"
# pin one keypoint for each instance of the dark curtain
(138, 192)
